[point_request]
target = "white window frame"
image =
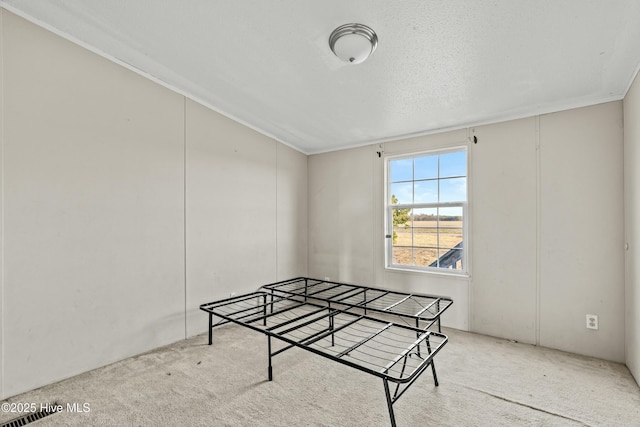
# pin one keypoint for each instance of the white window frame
(388, 214)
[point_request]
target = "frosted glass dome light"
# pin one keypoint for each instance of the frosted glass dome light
(353, 43)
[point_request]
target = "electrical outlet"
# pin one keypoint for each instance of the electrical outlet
(592, 321)
(232, 294)
(327, 278)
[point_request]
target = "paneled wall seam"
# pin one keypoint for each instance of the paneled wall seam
(2, 203)
(538, 226)
(374, 214)
(339, 207)
(184, 207)
(308, 218)
(631, 141)
(277, 174)
(469, 219)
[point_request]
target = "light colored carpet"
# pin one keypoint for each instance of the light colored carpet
(484, 381)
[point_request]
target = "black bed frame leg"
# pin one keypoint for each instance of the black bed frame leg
(365, 301)
(435, 377)
(433, 366)
(331, 326)
(389, 402)
(418, 335)
(264, 309)
(270, 368)
(210, 328)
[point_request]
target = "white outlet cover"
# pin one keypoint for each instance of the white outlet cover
(592, 321)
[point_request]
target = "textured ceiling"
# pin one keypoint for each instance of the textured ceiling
(438, 65)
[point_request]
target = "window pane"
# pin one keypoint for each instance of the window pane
(451, 259)
(425, 191)
(402, 236)
(425, 257)
(401, 170)
(453, 164)
(426, 167)
(402, 256)
(403, 193)
(453, 189)
(425, 222)
(425, 217)
(450, 217)
(450, 237)
(425, 237)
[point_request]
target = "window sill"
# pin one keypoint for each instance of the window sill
(460, 275)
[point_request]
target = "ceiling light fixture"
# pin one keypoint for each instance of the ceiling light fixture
(353, 43)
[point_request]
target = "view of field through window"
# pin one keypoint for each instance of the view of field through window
(426, 200)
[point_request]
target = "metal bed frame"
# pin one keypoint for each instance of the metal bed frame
(325, 320)
(402, 305)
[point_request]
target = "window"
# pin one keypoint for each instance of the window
(426, 210)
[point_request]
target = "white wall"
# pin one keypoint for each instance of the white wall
(503, 243)
(341, 241)
(246, 211)
(231, 240)
(535, 273)
(125, 207)
(291, 212)
(632, 226)
(582, 229)
(93, 215)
